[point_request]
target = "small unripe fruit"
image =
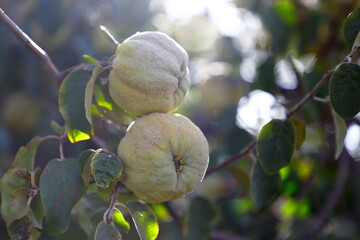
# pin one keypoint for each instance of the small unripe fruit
(150, 74)
(164, 156)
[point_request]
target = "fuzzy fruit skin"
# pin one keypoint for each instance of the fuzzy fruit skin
(149, 149)
(150, 74)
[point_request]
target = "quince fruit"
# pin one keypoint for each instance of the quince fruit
(164, 156)
(150, 74)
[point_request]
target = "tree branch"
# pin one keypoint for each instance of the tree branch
(244, 151)
(32, 46)
(248, 148)
(311, 94)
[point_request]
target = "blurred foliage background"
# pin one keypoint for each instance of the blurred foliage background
(250, 61)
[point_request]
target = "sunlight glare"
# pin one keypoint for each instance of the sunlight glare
(257, 109)
(352, 141)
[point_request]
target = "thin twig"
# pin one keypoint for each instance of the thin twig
(246, 150)
(311, 94)
(109, 34)
(32, 46)
(108, 216)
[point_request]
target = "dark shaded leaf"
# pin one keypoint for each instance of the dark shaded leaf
(201, 218)
(84, 161)
(72, 107)
(19, 229)
(265, 79)
(61, 187)
(144, 219)
(96, 217)
(352, 28)
(264, 187)
(36, 212)
(106, 231)
(86, 208)
(344, 90)
(275, 146)
(105, 168)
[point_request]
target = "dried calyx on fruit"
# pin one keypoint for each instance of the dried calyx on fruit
(164, 156)
(150, 74)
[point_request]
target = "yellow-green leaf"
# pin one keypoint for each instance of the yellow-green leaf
(89, 92)
(144, 219)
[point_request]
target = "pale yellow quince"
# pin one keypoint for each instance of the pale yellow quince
(164, 156)
(150, 74)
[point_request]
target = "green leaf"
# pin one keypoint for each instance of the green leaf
(12, 180)
(120, 221)
(86, 208)
(96, 217)
(19, 201)
(26, 154)
(105, 192)
(345, 90)
(276, 145)
(106, 231)
(71, 105)
(105, 168)
(144, 219)
(90, 60)
(61, 187)
(84, 161)
(340, 132)
(300, 129)
(286, 9)
(352, 27)
(264, 187)
(201, 219)
(36, 212)
(89, 92)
